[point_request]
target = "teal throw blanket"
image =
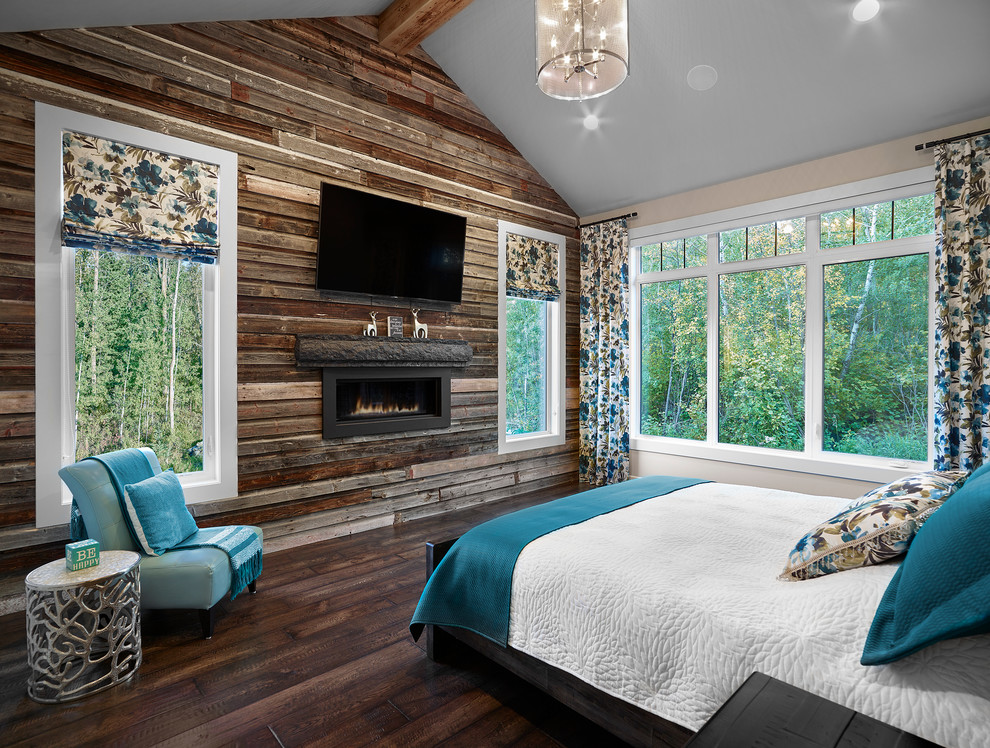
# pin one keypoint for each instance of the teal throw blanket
(239, 542)
(472, 585)
(130, 464)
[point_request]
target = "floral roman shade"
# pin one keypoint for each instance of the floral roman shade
(603, 455)
(124, 198)
(531, 268)
(962, 304)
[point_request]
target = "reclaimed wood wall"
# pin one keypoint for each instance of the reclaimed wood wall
(300, 102)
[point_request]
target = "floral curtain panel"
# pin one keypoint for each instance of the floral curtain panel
(531, 268)
(124, 198)
(962, 325)
(604, 357)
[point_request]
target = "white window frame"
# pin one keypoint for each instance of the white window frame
(55, 317)
(813, 459)
(554, 434)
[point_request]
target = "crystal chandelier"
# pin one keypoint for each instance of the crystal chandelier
(582, 47)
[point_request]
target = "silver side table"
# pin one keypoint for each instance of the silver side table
(83, 627)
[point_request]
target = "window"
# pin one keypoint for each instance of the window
(876, 357)
(139, 356)
(897, 219)
(767, 240)
(798, 341)
(761, 382)
(531, 338)
(526, 366)
(673, 359)
(133, 345)
(689, 252)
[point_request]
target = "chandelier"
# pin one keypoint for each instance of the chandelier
(582, 47)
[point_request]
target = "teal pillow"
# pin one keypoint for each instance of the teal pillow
(942, 588)
(157, 510)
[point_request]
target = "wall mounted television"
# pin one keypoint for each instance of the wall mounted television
(371, 245)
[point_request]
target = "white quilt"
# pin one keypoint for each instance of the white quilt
(671, 603)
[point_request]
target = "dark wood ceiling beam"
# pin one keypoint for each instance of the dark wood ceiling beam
(405, 23)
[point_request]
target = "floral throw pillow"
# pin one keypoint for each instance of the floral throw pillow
(876, 527)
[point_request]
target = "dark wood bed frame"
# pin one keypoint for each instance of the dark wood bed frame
(630, 723)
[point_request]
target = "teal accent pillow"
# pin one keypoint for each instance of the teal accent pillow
(942, 588)
(157, 510)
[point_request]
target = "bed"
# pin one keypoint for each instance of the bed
(665, 607)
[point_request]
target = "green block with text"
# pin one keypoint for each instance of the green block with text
(82, 555)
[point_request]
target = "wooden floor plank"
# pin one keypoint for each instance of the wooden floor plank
(500, 727)
(320, 656)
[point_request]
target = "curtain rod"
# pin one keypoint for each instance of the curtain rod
(933, 143)
(606, 220)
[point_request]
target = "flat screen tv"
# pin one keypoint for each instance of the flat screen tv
(373, 245)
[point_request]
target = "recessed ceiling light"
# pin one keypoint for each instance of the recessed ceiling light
(702, 77)
(591, 122)
(865, 10)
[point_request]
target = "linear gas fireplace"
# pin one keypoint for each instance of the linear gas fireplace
(380, 401)
(383, 385)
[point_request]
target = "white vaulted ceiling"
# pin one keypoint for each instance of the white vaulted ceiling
(797, 80)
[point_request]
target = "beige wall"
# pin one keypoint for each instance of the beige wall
(864, 163)
(651, 463)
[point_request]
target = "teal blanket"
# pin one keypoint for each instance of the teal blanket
(241, 545)
(471, 586)
(124, 466)
(239, 542)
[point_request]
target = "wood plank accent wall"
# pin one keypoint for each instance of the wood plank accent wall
(301, 102)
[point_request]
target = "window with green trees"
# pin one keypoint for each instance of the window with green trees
(525, 366)
(876, 357)
(139, 340)
(139, 356)
(761, 358)
(674, 359)
(530, 338)
(897, 219)
(821, 339)
(689, 252)
(766, 240)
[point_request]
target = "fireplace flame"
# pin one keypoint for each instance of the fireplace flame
(381, 408)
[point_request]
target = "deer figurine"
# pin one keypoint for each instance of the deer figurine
(371, 329)
(419, 329)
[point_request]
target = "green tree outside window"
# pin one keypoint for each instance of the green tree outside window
(139, 356)
(525, 366)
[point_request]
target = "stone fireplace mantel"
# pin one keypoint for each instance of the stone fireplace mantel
(340, 351)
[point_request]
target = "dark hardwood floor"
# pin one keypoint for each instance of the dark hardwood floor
(320, 656)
